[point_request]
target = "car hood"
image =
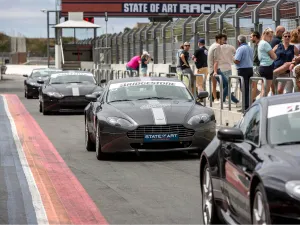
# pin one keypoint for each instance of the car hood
(289, 153)
(73, 89)
(148, 112)
(35, 79)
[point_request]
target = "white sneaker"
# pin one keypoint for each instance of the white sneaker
(238, 105)
(225, 105)
(216, 101)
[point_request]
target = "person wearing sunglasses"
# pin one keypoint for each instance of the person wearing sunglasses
(285, 53)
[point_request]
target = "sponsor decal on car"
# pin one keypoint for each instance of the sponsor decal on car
(151, 106)
(283, 109)
(142, 83)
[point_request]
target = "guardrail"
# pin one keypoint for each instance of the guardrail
(242, 87)
(256, 79)
(284, 79)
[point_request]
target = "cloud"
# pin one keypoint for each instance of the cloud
(25, 17)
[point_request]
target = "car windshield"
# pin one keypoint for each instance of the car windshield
(84, 78)
(156, 90)
(284, 124)
(42, 73)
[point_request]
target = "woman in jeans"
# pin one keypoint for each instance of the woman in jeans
(134, 64)
(266, 56)
(285, 53)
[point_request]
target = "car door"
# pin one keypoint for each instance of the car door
(240, 164)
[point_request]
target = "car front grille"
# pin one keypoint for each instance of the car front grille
(160, 129)
(73, 99)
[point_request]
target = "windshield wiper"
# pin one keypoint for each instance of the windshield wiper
(289, 143)
(155, 98)
(75, 82)
(121, 100)
(56, 83)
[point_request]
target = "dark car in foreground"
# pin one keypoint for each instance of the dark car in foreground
(65, 92)
(31, 85)
(249, 174)
(147, 114)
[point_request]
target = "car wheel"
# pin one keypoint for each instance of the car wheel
(99, 154)
(209, 213)
(260, 207)
(45, 112)
(89, 145)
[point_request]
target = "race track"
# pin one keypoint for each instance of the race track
(127, 189)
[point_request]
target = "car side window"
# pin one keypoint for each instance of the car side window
(251, 124)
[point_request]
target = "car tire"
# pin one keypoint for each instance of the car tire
(208, 201)
(89, 145)
(45, 112)
(40, 107)
(260, 208)
(99, 154)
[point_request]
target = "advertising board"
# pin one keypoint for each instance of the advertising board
(149, 8)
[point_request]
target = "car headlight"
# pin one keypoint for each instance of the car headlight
(119, 122)
(199, 119)
(55, 94)
(293, 188)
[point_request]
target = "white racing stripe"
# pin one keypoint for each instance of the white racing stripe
(37, 202)
(75, 91)
(158, 113)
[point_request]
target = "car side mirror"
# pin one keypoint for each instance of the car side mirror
(234, 135)
(40, 82)
(203, 94)
(91, 98)
(25, 75)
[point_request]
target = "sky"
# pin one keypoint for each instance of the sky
(24, 18)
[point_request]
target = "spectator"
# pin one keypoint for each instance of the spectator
(184, 62)
(255, 38)
(296, 74)
(244, 64)
(226, 61)
(213, 57)
(214, 53)
(266, 56)
(285, 53)
(134, 63)
(145, 59)
(200, 58)
(295, 38)
(278, 36)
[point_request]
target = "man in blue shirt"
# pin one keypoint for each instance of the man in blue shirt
(244, 64)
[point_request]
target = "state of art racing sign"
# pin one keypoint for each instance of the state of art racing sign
(144, 8)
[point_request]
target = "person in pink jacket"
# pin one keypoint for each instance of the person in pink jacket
(134, 63)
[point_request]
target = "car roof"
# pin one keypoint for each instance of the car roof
(53, 69)
(280, 99)
(136, 79)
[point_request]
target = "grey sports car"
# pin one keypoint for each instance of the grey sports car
(147, 114)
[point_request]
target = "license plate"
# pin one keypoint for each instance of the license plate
(161, 137)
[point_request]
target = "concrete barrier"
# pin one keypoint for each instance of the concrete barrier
(22, 69)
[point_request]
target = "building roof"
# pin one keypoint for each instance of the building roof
(76, 24)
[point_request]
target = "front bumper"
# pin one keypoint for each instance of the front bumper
(66, 104)
(33, 91)
(119, 142)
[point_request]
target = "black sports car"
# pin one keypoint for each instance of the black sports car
(147, 114)
(65, 91)
(31, 85)
(249, 174)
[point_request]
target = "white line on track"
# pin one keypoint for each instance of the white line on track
(37, 202)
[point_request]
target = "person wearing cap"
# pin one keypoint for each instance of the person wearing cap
(200, 59)
(145, 59)
(184, 62)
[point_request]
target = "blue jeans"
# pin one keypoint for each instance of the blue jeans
(225, 87)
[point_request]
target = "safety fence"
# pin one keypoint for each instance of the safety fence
(162, 40)
(103, 76)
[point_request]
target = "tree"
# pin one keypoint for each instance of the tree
(126, 29)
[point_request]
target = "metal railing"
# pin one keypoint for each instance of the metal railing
(221, 90)
(256, 79)
(242, 87)
(285, 79)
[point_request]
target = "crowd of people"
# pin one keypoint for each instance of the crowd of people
(273, 55)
